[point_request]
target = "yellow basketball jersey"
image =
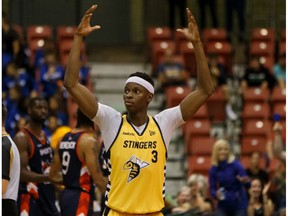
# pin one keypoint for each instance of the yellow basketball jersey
(137, 165)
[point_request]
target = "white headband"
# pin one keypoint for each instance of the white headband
(142, 82)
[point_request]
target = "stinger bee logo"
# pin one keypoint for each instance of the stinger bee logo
(134, 164)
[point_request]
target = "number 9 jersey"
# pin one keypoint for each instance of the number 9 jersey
(75, 172)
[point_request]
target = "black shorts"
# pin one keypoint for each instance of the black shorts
(9, 207)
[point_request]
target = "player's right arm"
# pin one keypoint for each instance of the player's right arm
(89, 150)
(24, 148)
(83, 97)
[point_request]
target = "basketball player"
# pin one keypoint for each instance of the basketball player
(136, 144)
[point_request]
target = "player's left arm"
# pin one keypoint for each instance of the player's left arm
(205, 88)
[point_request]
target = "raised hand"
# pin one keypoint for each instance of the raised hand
(192, 32)
(266, 188)
(84, 27)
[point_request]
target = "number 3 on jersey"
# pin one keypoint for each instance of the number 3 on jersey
(65, 162)
(155, 156)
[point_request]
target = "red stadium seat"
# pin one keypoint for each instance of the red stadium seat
(282, 47)
(261, 48)
(158, 49)
(179, 39)
(35, 45)
(216, 106)
(199, 165)
(196, 128)
(186, 49)
(223, 50)
(214, 34)
(200, 145)
(278, 95)
(258, 95)
(256, 128)
(65, 33)
(174, 95)
(158, 34)
(253, 144)
(39, 32)
(254, 110)
(64, 50)
(280, 109)
(267, 61)
(263, 34)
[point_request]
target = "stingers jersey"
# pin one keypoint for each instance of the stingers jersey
(137, 167)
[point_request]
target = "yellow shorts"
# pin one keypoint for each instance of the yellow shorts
(111, 212)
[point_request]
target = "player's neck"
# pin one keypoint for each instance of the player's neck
(35, 127)
(137, 119)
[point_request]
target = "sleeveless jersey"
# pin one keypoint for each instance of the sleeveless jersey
(75, 172)
(137, 167)
(40, 161)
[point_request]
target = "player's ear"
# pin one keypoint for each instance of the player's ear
(150, 97)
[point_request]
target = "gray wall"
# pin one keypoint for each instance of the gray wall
(126, 21)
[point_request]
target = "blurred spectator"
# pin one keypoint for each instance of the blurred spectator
(58, 134)
(239, 7)
(171, 72)
(51, 75)
(279, 71)
(219, 79)
(51, 126)
(39, 58)
(183, 201)
(15, 104)
(58, 109)
(20, 124)
(256, 75)
(259, 202)
(200, 205)
(212, 4)
(179, 5)
(226, 179)
(254, 170)
(15, 75)
(279, 177)
(11, 46)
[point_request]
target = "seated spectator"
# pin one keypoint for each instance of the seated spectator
(12, 50)
(219, 79)
(50, 126)
(39, 58)
(257, 75)
(15, 104)
(58, 109)
(170, 72)
(20, 124)
(227, 178)
(15, 75)
(51, 75)
(279, 71)
(254, 170)
(183, 201)
(259, 202)
(200, 205)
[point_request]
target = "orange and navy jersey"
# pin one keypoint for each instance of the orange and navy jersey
(40, 159)
(75, 172)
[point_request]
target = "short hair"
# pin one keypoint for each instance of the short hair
(33, 100)
(4, 114)
(144, 76)
(83, 120)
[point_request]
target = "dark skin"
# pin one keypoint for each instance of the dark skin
(137, 114)
(38, 114)
(87, 150)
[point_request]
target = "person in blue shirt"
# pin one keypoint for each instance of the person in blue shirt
(16, 75)
(227, 179)
(279, 71)
(51, 75)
